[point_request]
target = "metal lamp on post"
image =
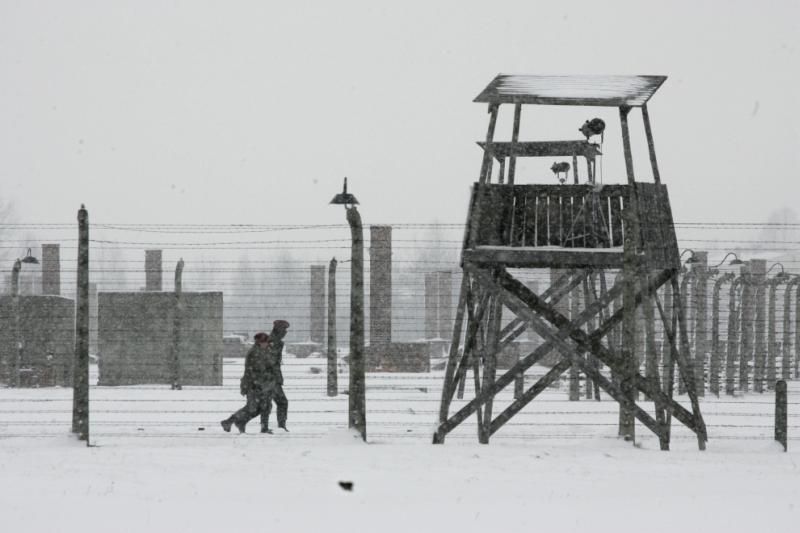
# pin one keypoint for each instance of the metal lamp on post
(735, 261)
(31, 260)
(692, 259)
(357, 397)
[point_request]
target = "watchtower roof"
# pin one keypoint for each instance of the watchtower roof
(612, 91)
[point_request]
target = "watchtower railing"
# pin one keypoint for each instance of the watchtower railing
(570, 217)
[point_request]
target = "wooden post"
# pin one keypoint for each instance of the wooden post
(512, 163)
(650, 144)
(452, 358)
(575, 168)
(786, 360)
(490, 354)
(684, 296)
(781, 415)
(631, 271)
(176, 328)
(732, 353)
(357, 395)
(666, 346)
(700, 298)
(486, 168)
(333, 374)
(80, 378)
(651, 352)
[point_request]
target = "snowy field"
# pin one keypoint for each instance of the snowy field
(557, 466)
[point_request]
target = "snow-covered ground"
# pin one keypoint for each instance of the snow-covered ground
(557, 466)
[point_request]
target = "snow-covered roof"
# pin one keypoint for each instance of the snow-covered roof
(613, 91)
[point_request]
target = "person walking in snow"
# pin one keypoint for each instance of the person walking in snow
(257, 384)
(279, 330)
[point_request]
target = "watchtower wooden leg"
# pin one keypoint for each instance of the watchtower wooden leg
(685, 370)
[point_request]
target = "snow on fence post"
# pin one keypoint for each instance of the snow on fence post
(781, 416)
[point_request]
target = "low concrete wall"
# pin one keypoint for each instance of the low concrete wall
(398, 357)
(47, 332)
(135, 337)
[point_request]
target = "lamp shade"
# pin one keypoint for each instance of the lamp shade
(344, 197)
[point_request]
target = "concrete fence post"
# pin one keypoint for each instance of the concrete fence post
(781, 415)
(333, 373)
(80, 378)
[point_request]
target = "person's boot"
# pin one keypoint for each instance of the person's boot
(239, 426)
(265, 429)
(282, 425)
(226, 425)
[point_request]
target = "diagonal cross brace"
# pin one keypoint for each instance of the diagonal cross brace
(574, 357)
(592, 343)
(445, 426)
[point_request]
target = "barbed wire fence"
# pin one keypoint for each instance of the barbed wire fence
(748, 330)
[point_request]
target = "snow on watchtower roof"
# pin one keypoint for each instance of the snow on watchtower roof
(614, 91)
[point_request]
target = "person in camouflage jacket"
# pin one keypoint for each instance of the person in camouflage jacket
(279, 329)
(261, 373)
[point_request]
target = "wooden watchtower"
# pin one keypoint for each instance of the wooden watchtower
(586, 230)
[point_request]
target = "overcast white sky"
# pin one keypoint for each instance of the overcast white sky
(252, 112)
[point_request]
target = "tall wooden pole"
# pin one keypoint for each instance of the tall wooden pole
(80, 378)
(650, 144)
(486, 168)
(452, 357)
(666, 345)
(357, 396)
(176, 328)
(512, 163)
(631, 274)
(333, 375)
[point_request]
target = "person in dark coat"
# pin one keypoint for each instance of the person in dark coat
(257, 385)
(279, 329)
